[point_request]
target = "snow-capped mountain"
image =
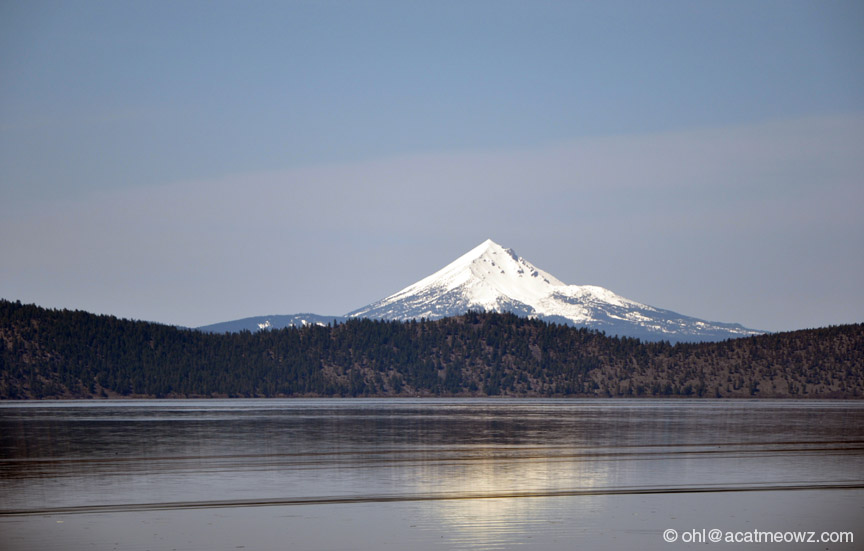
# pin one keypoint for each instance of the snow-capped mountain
(491, 278)
(261, 323)
(494, 279)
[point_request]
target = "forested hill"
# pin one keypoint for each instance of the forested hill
(71, 354)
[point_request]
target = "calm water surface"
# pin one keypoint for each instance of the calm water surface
(424, 473)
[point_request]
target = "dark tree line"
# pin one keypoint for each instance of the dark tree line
(71, 354)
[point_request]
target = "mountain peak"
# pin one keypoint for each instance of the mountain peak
(494, 279)
(487, 247)
(488, 277)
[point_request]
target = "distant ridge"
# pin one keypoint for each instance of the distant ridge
(258, 323)
(490, 278)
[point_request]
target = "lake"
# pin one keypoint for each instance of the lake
(478, 474)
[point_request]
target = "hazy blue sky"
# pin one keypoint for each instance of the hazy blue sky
(195, 162)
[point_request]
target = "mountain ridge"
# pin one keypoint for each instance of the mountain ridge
(280, 321)
(491, 278)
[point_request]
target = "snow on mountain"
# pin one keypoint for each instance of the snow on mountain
(264, 323)
(491, 278)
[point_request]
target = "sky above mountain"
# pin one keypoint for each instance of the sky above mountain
(194, 162)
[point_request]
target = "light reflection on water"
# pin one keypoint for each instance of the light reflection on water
(486, 473)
